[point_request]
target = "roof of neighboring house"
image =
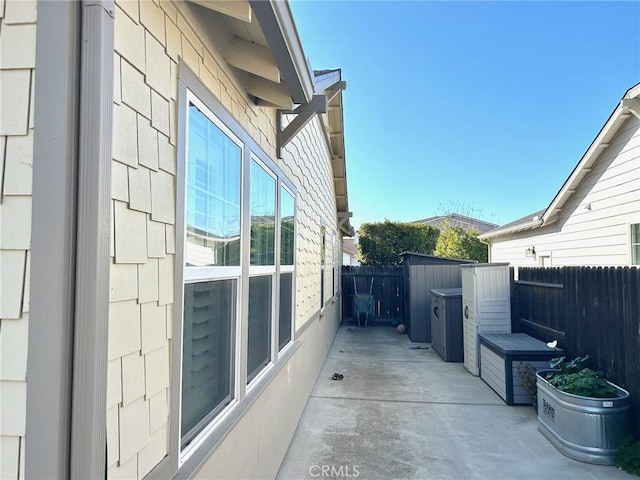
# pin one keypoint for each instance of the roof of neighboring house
(458, 220)
(627, 106)
(524, 223)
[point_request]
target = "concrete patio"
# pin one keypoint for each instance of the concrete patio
(403, 413)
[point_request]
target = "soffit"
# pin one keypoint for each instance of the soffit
(259, 44)
(329, 82)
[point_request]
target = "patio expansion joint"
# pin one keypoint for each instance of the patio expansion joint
(386, 361)
(419, 402)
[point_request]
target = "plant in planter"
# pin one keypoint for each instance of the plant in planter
(527, 374)
(572, 378)
(582, 414)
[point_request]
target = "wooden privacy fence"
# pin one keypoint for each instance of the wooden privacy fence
(589, 310)
(388, 293)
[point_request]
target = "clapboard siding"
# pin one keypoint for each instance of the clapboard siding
(593, 226)
(492, 371)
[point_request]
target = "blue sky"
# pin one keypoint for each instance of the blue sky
(484, 104)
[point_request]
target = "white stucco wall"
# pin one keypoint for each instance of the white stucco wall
(593, 227)
(17, 73)
(149, 41)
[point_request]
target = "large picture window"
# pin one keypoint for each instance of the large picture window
(212, 259)
(208, 339)
(260, 307)
(287, 255)
(237, 225)
(263, 216)
(286, 309)
(287, 227)
(213, 194)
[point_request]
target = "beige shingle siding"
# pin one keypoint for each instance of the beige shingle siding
(17, 67)
(149, 41)
(141, 279)
(308, 161)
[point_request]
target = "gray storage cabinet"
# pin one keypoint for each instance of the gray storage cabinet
(446, 323)
(500, 356)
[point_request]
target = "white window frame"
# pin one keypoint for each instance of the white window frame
(196, 274)
(268, 270)
(286, 268)
(631, 244)
(185, 461)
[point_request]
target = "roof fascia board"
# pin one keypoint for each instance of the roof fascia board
(276, 22)
(513, 229)
(331, 83)
(326, 80)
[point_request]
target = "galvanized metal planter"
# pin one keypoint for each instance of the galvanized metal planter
(583, 428)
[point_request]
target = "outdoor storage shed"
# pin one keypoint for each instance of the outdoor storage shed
(422, 273)
(505, 360)
(446, 323)
(486, 306)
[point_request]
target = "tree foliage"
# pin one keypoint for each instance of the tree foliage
(455, 242)
(381, 243)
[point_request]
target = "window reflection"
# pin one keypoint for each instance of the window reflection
(213, 194)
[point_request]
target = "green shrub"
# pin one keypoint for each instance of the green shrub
(628, 457)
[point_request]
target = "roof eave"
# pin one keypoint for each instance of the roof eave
(499, 232)
(329, 83)
(278, 26)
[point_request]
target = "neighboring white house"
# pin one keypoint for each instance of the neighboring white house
(594, 220)
(350, 252)
(172, 210)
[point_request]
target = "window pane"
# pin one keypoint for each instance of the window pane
(635, 244)
(213, 194)
(208, 353)
(286, 310)
(259, 349)
(287, 227)
(263, 215)
(635, 233)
